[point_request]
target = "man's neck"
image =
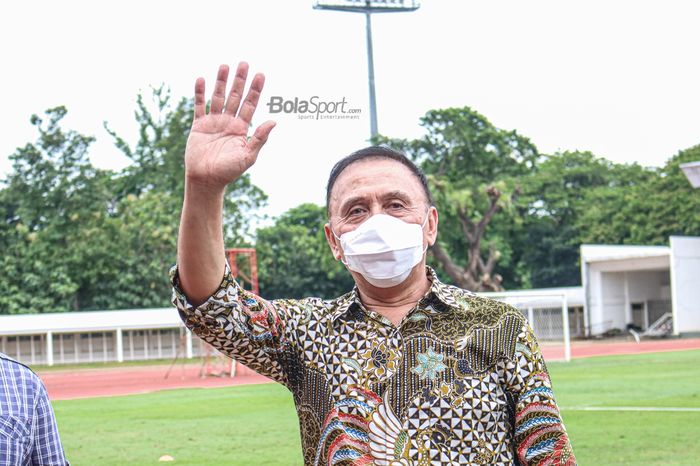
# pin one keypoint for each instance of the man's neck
(394, 303)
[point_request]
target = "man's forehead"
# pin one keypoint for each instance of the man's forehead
(376, 177)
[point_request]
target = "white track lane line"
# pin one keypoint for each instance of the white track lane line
(631, 408)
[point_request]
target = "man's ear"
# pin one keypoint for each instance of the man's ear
(332, 241)
(432, 225)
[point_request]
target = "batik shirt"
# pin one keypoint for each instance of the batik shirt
(459, 381)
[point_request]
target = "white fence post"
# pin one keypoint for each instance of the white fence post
(49, 348)
(120, 345)
(188, 344)
(565, 321)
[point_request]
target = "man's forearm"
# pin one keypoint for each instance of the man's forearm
(200, 249)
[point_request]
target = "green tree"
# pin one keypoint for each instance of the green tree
(150, 193)
(294, 259)
(77, 238)
(158, 166)
(54, 203)
(143, 248)
(556, 197)
(647, 211)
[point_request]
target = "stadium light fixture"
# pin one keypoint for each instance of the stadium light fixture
(692, 172)
(368, 7)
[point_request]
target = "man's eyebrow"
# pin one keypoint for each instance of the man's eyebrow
(396, 194)
(351, 201)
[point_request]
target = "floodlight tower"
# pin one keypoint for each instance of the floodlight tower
(368, 7)
(692, 172)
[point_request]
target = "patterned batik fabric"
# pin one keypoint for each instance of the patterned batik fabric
(459, 381)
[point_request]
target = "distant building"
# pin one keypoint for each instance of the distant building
(97, 336)
(640, 284)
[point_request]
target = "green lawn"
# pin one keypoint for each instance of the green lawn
(257, 424)
(632, 438)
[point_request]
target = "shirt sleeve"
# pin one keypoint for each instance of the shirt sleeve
(540, 436)
(46, 449)
(241, 325)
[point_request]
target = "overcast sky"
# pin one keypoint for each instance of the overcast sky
(619, 78)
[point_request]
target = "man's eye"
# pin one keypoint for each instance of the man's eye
(356, 211)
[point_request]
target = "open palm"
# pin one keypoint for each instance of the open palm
(218, 151)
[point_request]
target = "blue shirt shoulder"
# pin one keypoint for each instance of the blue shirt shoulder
(28, 432)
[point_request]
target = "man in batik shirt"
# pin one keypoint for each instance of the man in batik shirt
(402, 370)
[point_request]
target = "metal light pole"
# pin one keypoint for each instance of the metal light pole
(692, 172)
(373, 131)
(368, 7)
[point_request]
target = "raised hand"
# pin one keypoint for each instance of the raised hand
(218, 151)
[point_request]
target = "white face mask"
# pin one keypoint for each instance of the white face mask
(384, 249)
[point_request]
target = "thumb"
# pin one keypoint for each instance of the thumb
(259, 137)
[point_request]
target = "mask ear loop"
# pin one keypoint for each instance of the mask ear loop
(425, 222)
(338, 238)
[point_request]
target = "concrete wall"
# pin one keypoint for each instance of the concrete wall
(685, 283)
(605, 300)
(647, 286)
(611, 294)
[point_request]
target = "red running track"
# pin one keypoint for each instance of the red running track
(588, 348)
(113, 381)
(84, 383)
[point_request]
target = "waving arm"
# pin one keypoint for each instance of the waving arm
(218, 152)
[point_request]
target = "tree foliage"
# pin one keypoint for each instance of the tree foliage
(157, 164)
(514, 217)
(295, 260)
(75, 237)
(647, 211)
(556, 199)
(54, 209)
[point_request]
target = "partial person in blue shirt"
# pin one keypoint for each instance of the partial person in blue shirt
(28, 431)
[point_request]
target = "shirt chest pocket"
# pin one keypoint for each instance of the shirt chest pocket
(14, 439)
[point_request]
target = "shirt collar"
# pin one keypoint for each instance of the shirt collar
(350, 301)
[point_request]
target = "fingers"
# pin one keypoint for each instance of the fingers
(251, 100)
(260, 135)
(236, 94)
(217, 99)
(231, 105)
(199, 102)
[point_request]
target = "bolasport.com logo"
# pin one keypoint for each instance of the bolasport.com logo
(314, 108)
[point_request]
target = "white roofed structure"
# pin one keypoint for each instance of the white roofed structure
(639, 285)
(89, 321)
(92, 336)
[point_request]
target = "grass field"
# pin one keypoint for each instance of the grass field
(256, 424)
